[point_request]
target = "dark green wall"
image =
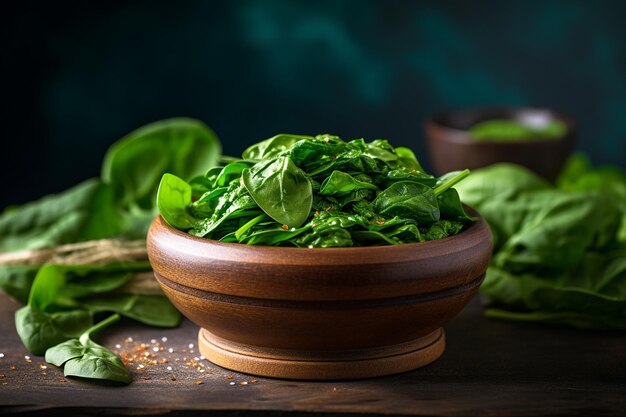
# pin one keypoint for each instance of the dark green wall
(79, 75)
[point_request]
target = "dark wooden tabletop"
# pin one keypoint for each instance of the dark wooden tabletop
(490, 368)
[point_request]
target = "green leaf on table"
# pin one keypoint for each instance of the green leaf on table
(86, 359)
(559, 254)
(40, 330)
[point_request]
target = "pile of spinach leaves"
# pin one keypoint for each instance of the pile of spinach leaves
(316, 192)
(63, 300)
(560, 250)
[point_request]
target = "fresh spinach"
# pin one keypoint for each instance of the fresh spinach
(340, 183)
(281, 189)
(83, 212)
(173, 200)
(134, 165)
(408, 199)
(40, 330)
(560, 253)
(62, 300)
(16, 280)
(272, 147)
(86, 359)
(153, 310)
(321, 191)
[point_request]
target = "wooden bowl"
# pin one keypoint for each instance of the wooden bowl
(452, 148)
(338, 313)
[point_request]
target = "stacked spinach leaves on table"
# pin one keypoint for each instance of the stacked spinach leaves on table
(316, 192)
(560, 250)
(74, 256)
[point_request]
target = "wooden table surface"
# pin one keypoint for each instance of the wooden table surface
(490, 368)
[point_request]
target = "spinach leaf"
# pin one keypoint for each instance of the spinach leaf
(86, 359)
(379, 149)
(451, 207)
(404, 174)
(407, 159)
(134, 165)
(245, 228)
(235, 202)
(325, 237)
(499, 182)
(173, 200)
(199, 186)
(62, 300)
(317, 156)
(80, 213)
(410, 200)
(340, 183)
(556, 229)
(60, 286)
(441, 230)
(47, 287)
(448, 181)
(273, 236)
(231, 172)
(559, 256)
(206, 204)
(281, 189)
(363, 237)
(153, 310)
(16, 280)
(272, 147)
(40, 330)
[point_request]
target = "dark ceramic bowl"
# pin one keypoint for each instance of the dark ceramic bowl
(452, 148)
(337, 313)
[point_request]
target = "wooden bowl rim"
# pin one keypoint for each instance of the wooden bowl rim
(475, 229)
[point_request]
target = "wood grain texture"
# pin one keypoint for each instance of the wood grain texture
(451, 148)
(311, 302)
(490, 368)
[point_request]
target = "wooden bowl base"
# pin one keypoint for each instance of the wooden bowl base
(322, 365)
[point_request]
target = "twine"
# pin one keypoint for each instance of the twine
(92, 252)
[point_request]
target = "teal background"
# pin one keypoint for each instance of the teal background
(79, 75)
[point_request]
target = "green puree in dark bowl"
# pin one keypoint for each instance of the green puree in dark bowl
(508, 130)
